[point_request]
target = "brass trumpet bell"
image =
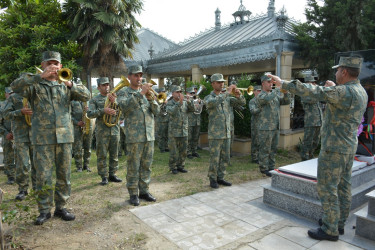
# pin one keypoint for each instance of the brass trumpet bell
(65, 75)
(161, 97)
(249, 90)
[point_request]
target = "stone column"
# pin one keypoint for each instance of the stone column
(286, 73)
(187, 79)
(161, 82)
(196, 73)
(226, 78)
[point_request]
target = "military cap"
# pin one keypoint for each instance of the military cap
(351, 62)
(102, 80)
(175, 88)
(161, 89)
(257, 87)
(309, 79)
(190, 90)
(8, 90)
(265, 78)
(217, 78)
(135, 69)
(51, 56)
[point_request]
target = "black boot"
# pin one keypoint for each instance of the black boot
(134, 200)
(43, 217)
(10, 181)
(64, 214)
(21, 195)
(341, 230)
(86, 168)
(214, 184)
(319, 234)
(114, 178)
(224, 183)
(104, 181)
(147, 197)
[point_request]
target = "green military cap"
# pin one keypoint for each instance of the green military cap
(102, 80)
(175, 88)
(265, 78)
(135, 69)
(257, 87)
(190, 90)
(8, 90)
(51, 56)
(217, 78)
(309, 79)
(351, 62)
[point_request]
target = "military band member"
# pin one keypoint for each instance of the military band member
(139, 109)
(313, 121)
(7, 141)
(269, 124)
(162, 121)
(177, 109)
(107, 136)
(15, 111)
(82, 138)
(51, 132)
(218, 107)
(254, 111)
(194, 124)
(346, 104)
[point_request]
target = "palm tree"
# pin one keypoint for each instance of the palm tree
(106, 29)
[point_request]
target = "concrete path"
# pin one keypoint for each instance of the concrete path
(236, 218)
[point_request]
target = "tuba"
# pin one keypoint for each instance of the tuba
(25, 104)
(108, 118)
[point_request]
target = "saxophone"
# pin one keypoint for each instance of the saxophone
(85, 119)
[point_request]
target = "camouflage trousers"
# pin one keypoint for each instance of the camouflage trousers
(8, 152)
(139, 167)
(254, 143)
(219, 158)
(268, 141)
(82, 148)
(122, 145)
(194, 132)
(311, 139)
(334, 189)
(25, 166)
(231, 139)
(163, 136)
(107, 144)
(45, 158)
(177, 152)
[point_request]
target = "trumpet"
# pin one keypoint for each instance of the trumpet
(249, 90)
(151, 94)
(107, 119)
(64, 74)
(161, 97)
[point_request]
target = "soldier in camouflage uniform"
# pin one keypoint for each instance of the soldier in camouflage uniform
(15, 111)
(51, 132)
(162, 121)
(82, 141)
(218, 105)
(139, 109)
(122, 145)
(107, 138)
(346, 104)
(254, 111)
(269, 124)
(313, 121)
(7, 141)
(194, 125)
(177, 109)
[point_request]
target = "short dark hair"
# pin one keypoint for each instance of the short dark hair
(353, 72)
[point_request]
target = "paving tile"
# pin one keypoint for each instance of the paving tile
(259, 217)
(207, 196)
(146, 211)
(239, 228)
(297, 235)
(274, 241)
(159, 222)
(336, 245)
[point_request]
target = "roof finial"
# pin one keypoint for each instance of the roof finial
(151, 51)
(271, 8)
(217, 19)
(241, 13)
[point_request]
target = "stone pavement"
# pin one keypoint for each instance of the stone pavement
(236, 218)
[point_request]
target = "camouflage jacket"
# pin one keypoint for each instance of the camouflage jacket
(178, 118)
(254, 111)
(12, 111)
(346, 105)
(50, 102)
(218, 108)
(313, 112)
(195, 119)
(96, 110)
(269, 117)
(5, 124)
(139, 116)
(163, 116)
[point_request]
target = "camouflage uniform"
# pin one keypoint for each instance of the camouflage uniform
(82, 141)
(122, 145)
(107, 138)
(162, 120)
(178, 132)
(313, 121)
(8, 151)
(194, 130)
(255, 111)
(346, 104)
(139, 130)
(51, 134)
(23, 149)
(269, 126)
(218, 108)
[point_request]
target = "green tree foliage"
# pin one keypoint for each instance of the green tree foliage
(28, 28)
(106, 29)
(334, 26)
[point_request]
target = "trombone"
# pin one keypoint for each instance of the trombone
(107, 119)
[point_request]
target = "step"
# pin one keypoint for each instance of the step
(365, 225)
(359, 194)
(371, 203)
(291, 202)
